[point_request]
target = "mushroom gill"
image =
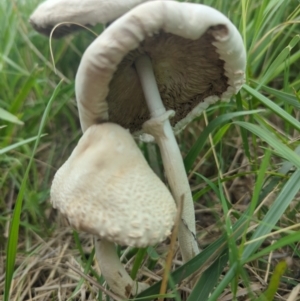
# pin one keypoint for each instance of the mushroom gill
(187, 71)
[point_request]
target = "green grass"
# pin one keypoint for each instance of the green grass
(247, 208)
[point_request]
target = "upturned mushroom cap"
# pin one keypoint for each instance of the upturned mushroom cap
(197, 54)
(84, 12)
(106, 188)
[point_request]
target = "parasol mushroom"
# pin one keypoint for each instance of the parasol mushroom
(179, 56)
(107, 189)
(77, 12)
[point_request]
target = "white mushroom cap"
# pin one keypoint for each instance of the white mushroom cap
(106, 188)
(197, 54)
(84, 12)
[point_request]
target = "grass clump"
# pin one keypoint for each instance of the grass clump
(242, 160)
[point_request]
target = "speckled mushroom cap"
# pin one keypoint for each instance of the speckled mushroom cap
(197, 54)
(84, 12)
(106, 188)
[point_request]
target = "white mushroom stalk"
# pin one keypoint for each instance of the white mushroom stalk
(198, 57)
(160, 128)
(107, 189)
(114, 272)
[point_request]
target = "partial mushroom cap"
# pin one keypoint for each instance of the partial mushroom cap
(197, 54)
(84, 12)
(106, 188)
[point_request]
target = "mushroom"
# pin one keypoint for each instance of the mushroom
(179, 56)
(77, 12)
(106, 188)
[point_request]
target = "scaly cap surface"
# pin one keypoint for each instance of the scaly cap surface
(106, 188)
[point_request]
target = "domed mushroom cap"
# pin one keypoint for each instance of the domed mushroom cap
(106, 188)
(197, 55)
(84, 12)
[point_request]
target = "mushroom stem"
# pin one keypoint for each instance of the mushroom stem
(114, 272)
(159, 126)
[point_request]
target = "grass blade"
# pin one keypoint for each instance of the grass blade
(219, 121)
(273, 106)
(15, 222)
(280, 148)
(18, 144)
(208, 280)
(283, 200)
(285, 97)
(283, 55)
(5, 115)
(287, 195)
(269, 294)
